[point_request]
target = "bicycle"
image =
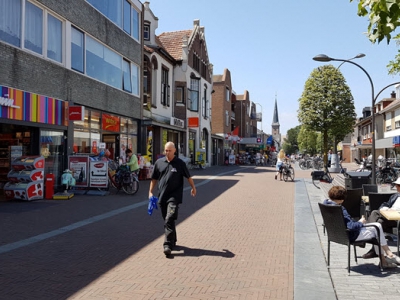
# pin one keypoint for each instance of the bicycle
(125, 179)
(287, 171)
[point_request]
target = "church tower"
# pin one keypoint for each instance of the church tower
(275, 126)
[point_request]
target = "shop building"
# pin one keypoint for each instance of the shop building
(192, 88)
(164, 113)
(55, 58)
(223, 118)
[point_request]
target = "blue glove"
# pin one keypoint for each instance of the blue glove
(152, 204)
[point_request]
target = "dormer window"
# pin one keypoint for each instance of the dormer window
(146, 31)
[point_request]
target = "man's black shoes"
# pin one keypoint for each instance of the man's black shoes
(167, 250)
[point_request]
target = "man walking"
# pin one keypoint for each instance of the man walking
(169, 171)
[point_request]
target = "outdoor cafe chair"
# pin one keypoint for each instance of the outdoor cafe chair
(353, 201)
(368, 188)
(375, 201)
(337, 231)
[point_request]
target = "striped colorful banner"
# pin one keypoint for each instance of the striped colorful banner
(19, 105)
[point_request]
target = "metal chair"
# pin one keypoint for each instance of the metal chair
(335, 225)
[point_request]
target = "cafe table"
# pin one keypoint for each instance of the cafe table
(392, 215)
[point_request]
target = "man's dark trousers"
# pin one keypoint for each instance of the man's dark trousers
(387, 225)
(169, 213)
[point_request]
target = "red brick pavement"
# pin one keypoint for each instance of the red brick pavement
(238, 246)
(235, 242)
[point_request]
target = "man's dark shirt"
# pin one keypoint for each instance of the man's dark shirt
(170, 179)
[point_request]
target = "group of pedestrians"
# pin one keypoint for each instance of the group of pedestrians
(357, 230)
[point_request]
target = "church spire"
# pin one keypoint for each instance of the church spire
(275, 120)
(275, 124)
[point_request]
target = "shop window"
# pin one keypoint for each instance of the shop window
(10, 21)
(33, 28)
(85, 122)
(112, 9)
(77, 50)
(43, 32)
(54, 39)
(95, 120)
(132, 127)
(127, 17)
(127, 85)
(122, 13)
(124, 125)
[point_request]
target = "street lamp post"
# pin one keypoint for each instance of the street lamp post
(262, 135)
(325, 58)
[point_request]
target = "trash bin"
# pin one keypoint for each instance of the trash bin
(357, 179)
(49, 184)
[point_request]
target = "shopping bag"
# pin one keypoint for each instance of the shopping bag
(152, 205)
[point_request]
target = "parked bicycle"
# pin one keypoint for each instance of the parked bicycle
(125, 179)
(386, 174)
(315, 163)
(121, 178)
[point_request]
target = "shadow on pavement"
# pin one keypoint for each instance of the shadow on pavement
(186, 251)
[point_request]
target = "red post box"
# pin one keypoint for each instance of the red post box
(49, 186)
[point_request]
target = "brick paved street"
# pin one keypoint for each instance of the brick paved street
(235, 242)
(244, 236)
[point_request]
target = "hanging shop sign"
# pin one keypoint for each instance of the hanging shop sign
(193, 122)
(76, 113)
(177, 122)
(110, 123)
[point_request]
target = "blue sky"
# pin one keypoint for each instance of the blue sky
(268, 47)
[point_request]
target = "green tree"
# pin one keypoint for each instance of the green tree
(307, 140)
(384, 18)
(290, 144)
(326, 105)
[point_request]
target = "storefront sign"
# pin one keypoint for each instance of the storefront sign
(396, 141)
(177, 122)
(76, 113)
(24, 106)
(7, 102)
(99, 174)
(193, 122)
(79, 167)
(110, 123)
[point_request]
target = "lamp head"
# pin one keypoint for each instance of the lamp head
(359, 55)
(322, 57)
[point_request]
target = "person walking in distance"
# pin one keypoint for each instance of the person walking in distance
(169, 172)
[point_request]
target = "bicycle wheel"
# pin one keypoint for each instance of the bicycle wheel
(114, 181)
(131, 188)
(303, 165)
(285, 174)
(290, 172)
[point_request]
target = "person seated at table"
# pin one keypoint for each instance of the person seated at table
(376, 216)
(337, 195)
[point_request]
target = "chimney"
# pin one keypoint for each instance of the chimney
(393, 94)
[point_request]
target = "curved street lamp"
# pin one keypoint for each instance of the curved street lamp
(325, 58)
